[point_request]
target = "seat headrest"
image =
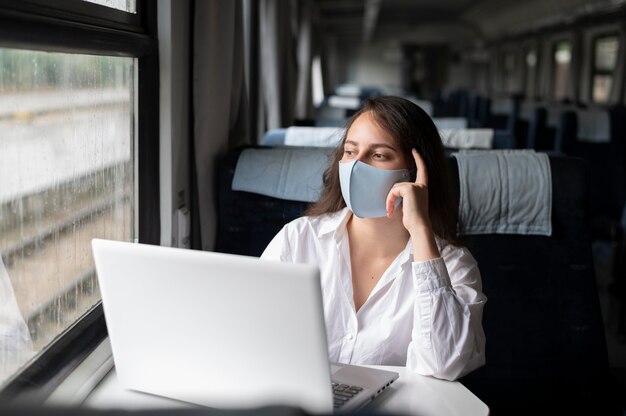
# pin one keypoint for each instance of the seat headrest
(467, 138)
(505, 192)
(286, 173)
(593, 125)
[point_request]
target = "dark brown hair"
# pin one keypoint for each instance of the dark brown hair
(411, 128)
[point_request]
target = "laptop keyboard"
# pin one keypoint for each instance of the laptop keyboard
(342, 393)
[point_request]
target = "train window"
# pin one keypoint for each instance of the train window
(125, 5)
(317, 82)
(78, 112)
(562, 60)
(530, 73)
(66, 176)
(604, 63)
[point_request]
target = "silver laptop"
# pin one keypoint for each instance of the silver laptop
(223, 330)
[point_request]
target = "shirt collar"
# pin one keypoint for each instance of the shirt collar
(406, 255)
(335, 223)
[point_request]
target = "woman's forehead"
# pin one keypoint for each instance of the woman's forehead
(366, 131)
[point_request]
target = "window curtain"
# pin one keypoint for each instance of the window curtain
(617, 93)
(585, 71)
(495, 87)
(573, 92)
(278, 61)
(517, 83)
(482, 75)
(528, 82)
(219, 101)
(306, 50)
(544, 52)
(331, 69)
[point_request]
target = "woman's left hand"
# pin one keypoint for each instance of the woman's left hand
(414, 198)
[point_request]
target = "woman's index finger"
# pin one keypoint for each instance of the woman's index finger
(421, 177)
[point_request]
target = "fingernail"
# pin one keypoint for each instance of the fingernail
(414, 150)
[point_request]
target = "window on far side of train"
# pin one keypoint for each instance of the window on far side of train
(562, 62)
(67, 175)
(605, 50)
(317, 82)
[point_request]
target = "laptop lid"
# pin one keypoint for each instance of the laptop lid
(215, 329)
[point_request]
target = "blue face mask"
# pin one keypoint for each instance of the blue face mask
(365, 188)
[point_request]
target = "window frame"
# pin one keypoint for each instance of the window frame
(80, 11)
(593, 70)
(74, 26)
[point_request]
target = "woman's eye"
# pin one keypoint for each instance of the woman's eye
(349, 153)
(379, 156)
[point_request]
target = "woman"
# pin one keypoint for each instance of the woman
(398, 288)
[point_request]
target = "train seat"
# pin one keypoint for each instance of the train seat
(450, 123)
(539, 135)
(345, 102)
(594, 125)
(553, 127)
(525, 116)
(540, 126)
(565, 135)
(477, 110)
(599, 139)
(247, 221)
(503, 119)
(474, 138)
(425, 105)
(546, 349)
(453, 103)
(274, 137)
(504, 192)
(329, 115)
(545, 338)
(362, 92)
(499, 114)
(501, 110)
(303, 136)
(618, 155)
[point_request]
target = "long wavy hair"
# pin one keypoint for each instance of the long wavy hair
(411, 128)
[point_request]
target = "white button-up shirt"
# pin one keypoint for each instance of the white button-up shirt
(425, 315)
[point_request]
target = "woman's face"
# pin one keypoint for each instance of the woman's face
(370, 144)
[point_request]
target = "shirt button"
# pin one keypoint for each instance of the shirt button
(350, 336)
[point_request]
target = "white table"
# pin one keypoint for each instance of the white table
(411, 394)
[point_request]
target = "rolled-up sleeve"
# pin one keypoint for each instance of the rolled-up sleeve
(448, 340)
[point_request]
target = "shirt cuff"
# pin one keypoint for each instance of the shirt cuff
(431, 274)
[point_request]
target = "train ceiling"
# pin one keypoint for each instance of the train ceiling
(361, 20)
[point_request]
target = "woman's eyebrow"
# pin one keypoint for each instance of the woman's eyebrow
(374, 145)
